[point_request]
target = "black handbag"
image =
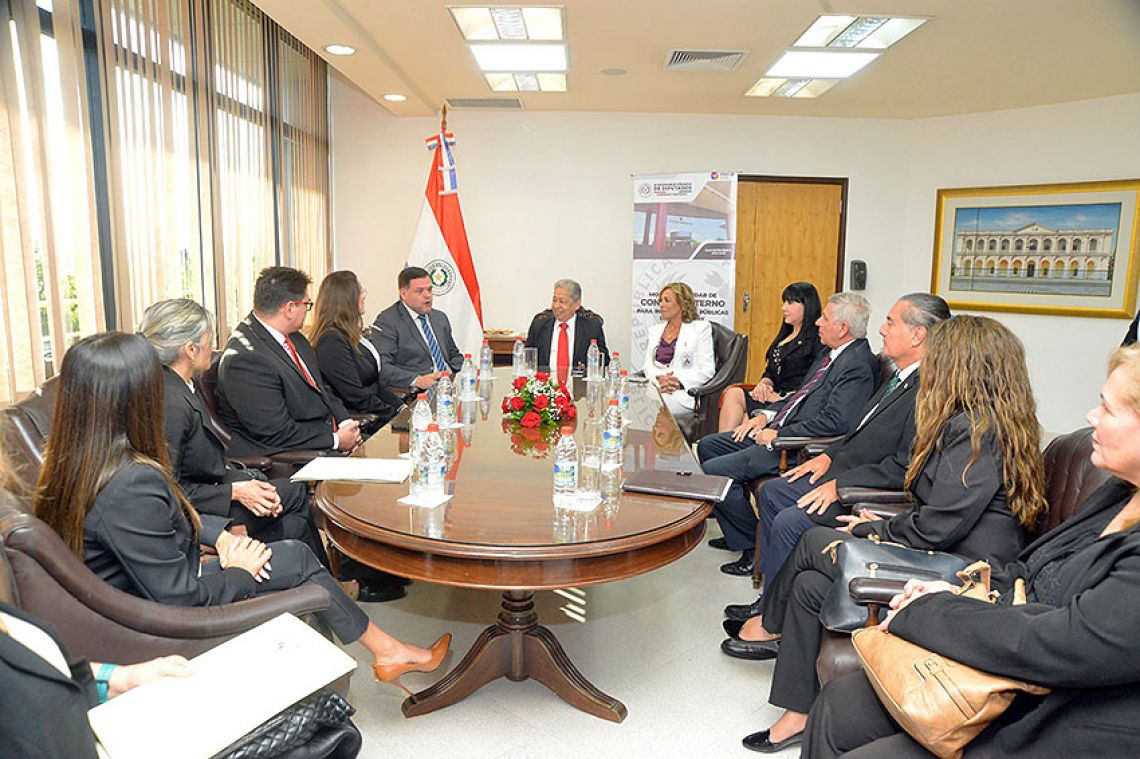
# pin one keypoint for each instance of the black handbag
(322, 714)
(870, 557)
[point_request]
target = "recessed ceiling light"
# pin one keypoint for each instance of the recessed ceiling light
(790, 88)
(503, 56)
(526, 81)
(866, 32)
(339, 49)
(394, 97)
(519, 23)
(614, 72)
(820, 64)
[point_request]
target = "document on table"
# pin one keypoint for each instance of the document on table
(354, 469)
(235, 687)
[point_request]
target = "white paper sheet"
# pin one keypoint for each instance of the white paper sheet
(235, 687)
(354, 469)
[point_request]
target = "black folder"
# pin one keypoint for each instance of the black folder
(702, 487)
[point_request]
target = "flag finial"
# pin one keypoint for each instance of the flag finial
(443, 119)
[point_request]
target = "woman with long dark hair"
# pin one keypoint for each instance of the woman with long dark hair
(788, 357)
(107, 489)
(349, 361)
(976, 474)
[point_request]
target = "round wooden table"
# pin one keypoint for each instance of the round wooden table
(502, 531)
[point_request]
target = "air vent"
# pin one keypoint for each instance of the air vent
(704, 60)
(498, 104)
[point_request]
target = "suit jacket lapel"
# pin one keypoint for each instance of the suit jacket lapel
(580, 338)
(421, 341)
(194, 401)
(276, 348)
(906, 386)
(21, 657)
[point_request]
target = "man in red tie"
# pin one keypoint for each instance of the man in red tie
(270, 393)
(562, 333)
(271, 396)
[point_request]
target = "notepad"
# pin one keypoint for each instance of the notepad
(235, 687)
(354, 469)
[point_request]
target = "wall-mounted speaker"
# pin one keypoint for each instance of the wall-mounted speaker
(858, 279)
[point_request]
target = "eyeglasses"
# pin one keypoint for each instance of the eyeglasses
(307, 303)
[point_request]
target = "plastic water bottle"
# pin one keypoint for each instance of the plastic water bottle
(518, 358)
(612, 443)
(593, 362)
(430, 465)
(421, 418)
(486, 360)
(623, 392)
(613, 375)
(565, 470)
(467, 379)
(444, 402)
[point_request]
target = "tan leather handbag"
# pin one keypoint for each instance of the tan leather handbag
(941, 703)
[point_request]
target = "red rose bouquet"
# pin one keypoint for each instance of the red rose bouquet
(538, 401)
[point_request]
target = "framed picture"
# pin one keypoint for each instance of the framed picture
(1065, 249)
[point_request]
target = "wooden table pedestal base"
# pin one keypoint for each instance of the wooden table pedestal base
(516, 647)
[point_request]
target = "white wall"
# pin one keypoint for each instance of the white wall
(547, 195)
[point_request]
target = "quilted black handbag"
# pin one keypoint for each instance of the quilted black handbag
(317, 726)
(868, 557)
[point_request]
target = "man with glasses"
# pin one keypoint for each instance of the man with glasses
(413, 339)
(270, 393)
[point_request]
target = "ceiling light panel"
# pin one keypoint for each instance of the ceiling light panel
(866, 32)
(514, 23)
(526, 81)
(820, 64)
(505, 56)
(790, 88)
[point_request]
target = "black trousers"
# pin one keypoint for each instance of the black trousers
(721, 455)
(294, 565)
(294, 523)
(791, 607)
(848, 720)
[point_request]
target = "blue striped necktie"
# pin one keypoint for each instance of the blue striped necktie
(436, 353)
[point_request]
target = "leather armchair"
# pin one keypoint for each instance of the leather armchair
(730, 351)
(41, 575)
(1070, 478)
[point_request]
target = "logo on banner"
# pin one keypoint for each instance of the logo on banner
(645, 189)
(442, 275)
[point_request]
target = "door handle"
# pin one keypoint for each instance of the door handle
(744, 308)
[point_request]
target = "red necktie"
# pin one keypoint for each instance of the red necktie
(563, 351)
(304, 372)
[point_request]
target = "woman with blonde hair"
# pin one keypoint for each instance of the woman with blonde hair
(107, 489)
(976, 476)
(680, 353)
(349, 362)
(1077, 634)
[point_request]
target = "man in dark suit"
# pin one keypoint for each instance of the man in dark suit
(827, 403)
(565, 330)
(270, 391)
(874, 455)
(413, 339)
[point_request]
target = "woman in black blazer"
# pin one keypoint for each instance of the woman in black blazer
(181, 332)
(976, 473)
(1079, 633)
(792, 352)
(106, 488)
(349, 362)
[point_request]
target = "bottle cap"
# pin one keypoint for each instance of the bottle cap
(486, 341)
(616, 353)
(593, 341)
(613, 401)
(433, 427)
(466, 355)
(421, 397)
(624, 373)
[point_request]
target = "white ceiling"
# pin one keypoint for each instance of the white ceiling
(973, 55)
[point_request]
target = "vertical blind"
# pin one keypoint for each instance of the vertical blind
(149, 149)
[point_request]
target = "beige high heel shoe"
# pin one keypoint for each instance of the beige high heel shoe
(391, 673)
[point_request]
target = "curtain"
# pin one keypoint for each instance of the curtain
(50, 279)
(149, 149)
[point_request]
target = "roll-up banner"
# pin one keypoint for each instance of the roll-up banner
(684, 230)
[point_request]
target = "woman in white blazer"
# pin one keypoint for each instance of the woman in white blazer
(680, 350)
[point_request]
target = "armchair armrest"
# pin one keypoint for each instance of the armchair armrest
(793, 443)
(297, 457)
(261, 463)
(722, 379)
(869, 590)
(881, 510)
(852, 495)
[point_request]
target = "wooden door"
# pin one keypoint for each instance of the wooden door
(786, 231)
